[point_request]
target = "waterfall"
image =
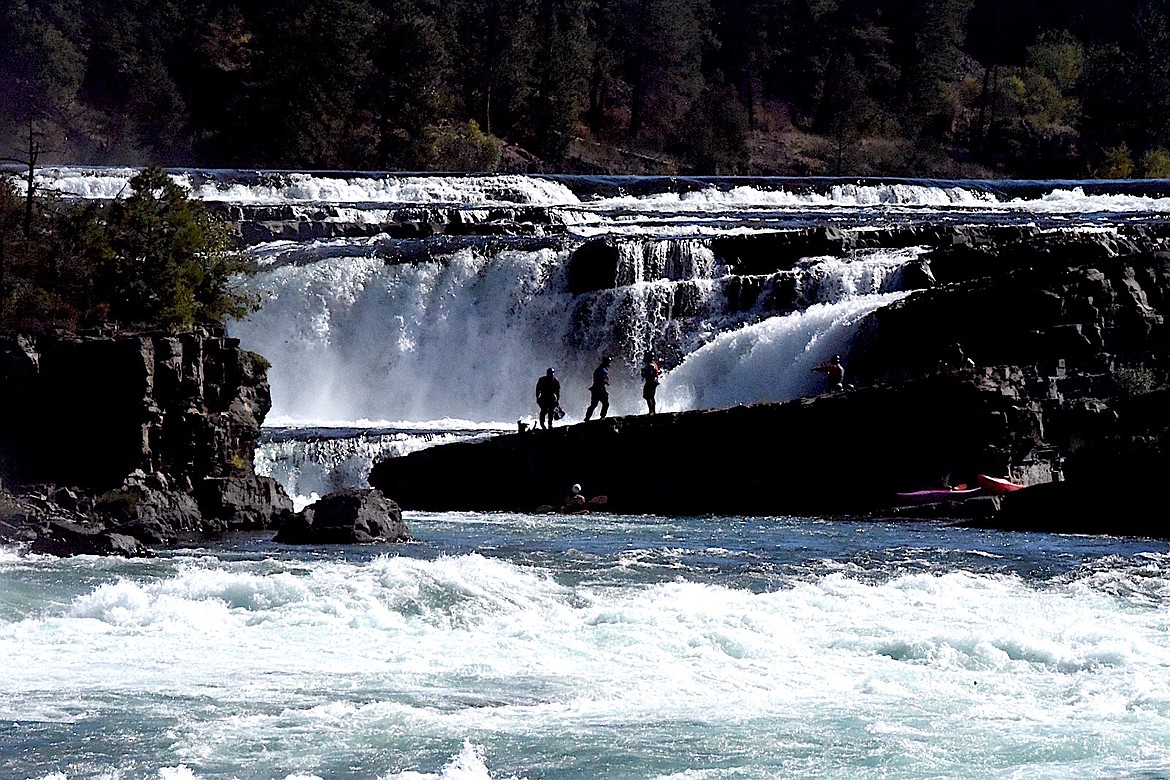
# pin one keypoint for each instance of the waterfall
(464, 336)
(405, 310)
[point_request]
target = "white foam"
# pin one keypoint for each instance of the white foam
(769, 361)
(293, 187)
(275, 188)
(326, 658)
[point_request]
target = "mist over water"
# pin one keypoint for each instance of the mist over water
(351, 338)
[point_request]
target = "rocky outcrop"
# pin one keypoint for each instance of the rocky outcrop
(63, 539)
(350, 516)
(840, 453)
(154, 434)
(1070, 335)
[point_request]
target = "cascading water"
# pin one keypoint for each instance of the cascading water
(524, 645)
(463, 336)
(393, 303)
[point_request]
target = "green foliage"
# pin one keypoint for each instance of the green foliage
(560, 65)
(465, 147)
(1155, 164)
(1133, 381)
(152, 259)
(260, 364)
(713, 136)
(1026, 87)
(406, 93)
(171, 263)
(1058, 57)
(1117, 164)
(41, 61)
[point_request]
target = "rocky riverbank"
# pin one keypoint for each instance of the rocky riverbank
(1069, 334)
(121, 443)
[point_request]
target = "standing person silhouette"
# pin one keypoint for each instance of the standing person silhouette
(649, 381)
(548, 397)
(599, 390)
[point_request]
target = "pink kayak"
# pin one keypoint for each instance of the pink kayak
(996, 485)
(935, 495)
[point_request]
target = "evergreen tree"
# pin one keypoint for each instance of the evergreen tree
(1127, 94)
(166, 260)
(737, 48)
(798, 36)
(41, 68)
(494, 50)
(299, 106)
(928, 38)
(407, 90)
(129, 77)
(560, 67)
(658, 45)
(151, 259)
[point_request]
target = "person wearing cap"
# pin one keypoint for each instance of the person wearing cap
(548, 397)
(599, 390)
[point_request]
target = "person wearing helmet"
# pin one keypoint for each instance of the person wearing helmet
(548, 397)
(574, 503)
(599, 390)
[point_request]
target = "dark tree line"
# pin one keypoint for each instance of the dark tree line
(1034, 88)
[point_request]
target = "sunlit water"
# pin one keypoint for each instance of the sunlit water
(595, 646)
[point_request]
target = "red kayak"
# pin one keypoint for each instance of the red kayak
(997, 486)
(934, 495)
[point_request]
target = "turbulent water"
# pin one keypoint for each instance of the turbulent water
(595, 646)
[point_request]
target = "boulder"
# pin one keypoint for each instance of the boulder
(349, 516)
(63, 538)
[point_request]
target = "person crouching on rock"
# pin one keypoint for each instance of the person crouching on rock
(835, 372)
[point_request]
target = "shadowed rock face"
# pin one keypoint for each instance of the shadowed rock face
(88, 411)
(1073, 349)
(348, 516)
(155, 432)
(845, 452)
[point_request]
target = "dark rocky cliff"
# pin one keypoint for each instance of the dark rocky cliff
(150, 434)
(1070, 336)
(838, 453)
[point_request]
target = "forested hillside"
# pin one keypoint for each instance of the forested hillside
(977, 88)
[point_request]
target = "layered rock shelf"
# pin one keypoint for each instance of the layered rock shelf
(1072, 348)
